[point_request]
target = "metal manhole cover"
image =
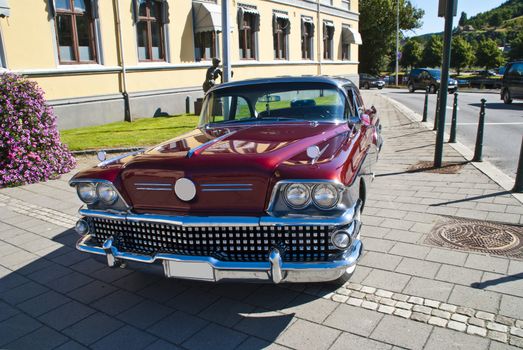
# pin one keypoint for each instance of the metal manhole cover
(428, 167)
(480, 236)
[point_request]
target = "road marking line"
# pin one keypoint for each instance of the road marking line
(514, 123)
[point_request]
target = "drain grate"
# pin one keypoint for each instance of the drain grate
(479, 236)
(428, 167)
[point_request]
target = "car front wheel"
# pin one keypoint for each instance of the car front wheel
(506, 97)
(366, 86)
(411, 87)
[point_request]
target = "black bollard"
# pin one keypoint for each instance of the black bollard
(452, 138)
(518, 186)
(478, 152)
(426, 106)
(436, 116)
(188, 105)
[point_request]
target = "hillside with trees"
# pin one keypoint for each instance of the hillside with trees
(477, 41)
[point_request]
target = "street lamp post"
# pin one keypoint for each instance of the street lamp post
(397, 39)
(226, 34)
(449, 6)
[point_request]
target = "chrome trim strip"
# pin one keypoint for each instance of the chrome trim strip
(115, 159)
(191, 152)
(226, 189)
(226, 185)
(151, 184)
(154, 189)
(232, 221)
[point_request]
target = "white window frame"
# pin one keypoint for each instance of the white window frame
(3, 60)
(97, 37)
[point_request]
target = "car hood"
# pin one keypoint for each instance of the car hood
(232, 168)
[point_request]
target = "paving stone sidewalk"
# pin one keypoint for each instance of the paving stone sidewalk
(405, 293)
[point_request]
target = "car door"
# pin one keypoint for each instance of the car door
(516, 80)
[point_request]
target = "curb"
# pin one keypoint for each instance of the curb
(487, 168)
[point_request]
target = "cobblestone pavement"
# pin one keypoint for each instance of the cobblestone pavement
(404, 293)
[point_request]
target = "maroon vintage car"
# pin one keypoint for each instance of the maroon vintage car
(270, 186)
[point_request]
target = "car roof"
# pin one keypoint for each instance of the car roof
(323, 79)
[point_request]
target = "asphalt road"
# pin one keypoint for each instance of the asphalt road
(503, 127)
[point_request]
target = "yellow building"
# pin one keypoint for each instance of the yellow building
(91, 56)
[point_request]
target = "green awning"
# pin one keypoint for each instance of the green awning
(207, 17)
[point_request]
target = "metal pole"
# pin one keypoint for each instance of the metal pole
(518, 186)
(436, 115)
(121, 51)
(478, 151)
(397, 39)
(226, 34)
(449, 16)
(426, 106)
(452, 138)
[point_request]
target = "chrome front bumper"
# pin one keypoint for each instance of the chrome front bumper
(210, 269)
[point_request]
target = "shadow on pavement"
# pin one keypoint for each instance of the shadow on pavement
(70, 298)
(496, 281)
(495, 194)
(500, 106)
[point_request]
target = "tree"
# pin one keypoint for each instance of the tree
(433, 52)
(462, 54)
(496, 19)
(489, 55)
(411, 54)
(378, 31)
(463, 19)
(516, 51)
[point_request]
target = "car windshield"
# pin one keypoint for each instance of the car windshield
(435, 73)
(274, 103)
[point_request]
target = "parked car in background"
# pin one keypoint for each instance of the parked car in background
(269, 187)
(421, 78)
(512, 83)
(368, 81)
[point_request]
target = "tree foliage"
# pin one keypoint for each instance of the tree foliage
(433, 52)
(378, 30)
(462, 54)
(463, 19)
(516, 51)
(489, 55)
(411, 54)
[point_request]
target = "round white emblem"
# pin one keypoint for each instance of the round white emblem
(185, 189)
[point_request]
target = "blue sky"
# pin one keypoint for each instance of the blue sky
(432, 23)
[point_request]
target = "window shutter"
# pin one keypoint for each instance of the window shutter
(51, 8)
(241, 13)
(256, 23)
(274, 23)
(165, 11)
(136, 8)
(94, 9)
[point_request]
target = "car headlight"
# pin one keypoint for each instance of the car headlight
(297, 196)
(325, 196)
(87, 192)
(106, 193)
(438, 81)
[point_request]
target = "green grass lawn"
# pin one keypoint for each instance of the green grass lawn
(142, 132)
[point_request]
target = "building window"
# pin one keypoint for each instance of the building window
(345, 52)
(150, 31)
(206, 45)
(75, 31)
(328, 35)
(307, 37)
(345, 4)
(249, 25)
(281, 29)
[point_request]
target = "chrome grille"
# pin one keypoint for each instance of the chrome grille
(300, 243)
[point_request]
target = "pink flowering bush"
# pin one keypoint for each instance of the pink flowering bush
(30, 147)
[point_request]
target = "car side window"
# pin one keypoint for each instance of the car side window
(519, 69)
(242, 109)
(350, 110)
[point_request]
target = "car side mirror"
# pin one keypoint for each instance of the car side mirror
(365, 119)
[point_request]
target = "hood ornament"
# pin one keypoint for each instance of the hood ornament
(314, 152)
